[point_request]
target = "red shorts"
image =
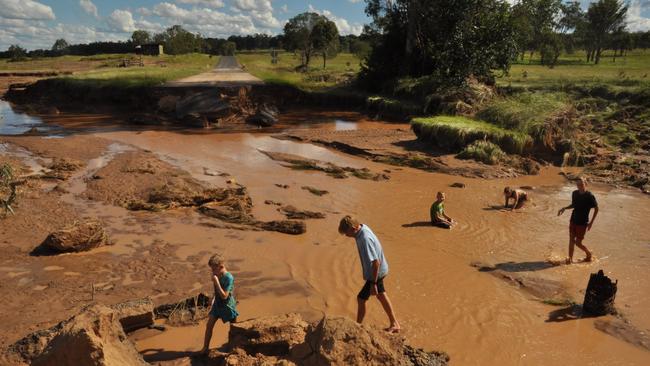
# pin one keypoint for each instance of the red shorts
(577, 231)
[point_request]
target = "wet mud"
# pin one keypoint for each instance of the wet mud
(441, 301)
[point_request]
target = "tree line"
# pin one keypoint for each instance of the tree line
(177, 40)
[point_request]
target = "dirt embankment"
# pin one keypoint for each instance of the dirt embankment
(400, 147)
(96, 336)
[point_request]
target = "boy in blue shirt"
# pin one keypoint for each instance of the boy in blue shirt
(374, 267)
(223, 303)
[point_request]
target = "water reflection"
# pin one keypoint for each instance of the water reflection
(341, 125)
(13, 123)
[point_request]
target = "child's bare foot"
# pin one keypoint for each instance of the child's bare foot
(589, 258)
(395, 328)
(203, 351)
(569, 261)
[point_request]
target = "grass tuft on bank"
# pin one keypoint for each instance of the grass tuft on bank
(530, 113)
(483, 151)
(455, 133)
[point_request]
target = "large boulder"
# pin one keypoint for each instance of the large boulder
(93, 337)
(77, 237)
(274, 336)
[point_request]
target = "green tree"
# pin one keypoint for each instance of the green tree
(360, 48)
(140, 37)
(16, 53)
(298, 34)
(325, 38)
(604, 18)
(60, 46)
(229, 48)
(446, 40)
(177, 40)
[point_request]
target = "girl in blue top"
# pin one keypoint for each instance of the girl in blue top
(223, 303)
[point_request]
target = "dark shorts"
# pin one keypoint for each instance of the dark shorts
(577, 231)
(442, 224)
(364, 294)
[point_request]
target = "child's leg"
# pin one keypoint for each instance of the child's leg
(361, 310)
(208, 333)
(584, 249)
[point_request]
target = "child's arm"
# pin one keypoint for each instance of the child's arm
(220, 292)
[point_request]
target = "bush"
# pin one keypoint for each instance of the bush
(455, 133)
(483, 151)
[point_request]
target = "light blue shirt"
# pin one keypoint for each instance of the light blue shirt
(370, 250)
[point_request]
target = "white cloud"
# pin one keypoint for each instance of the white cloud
(144, 12)
(261, 11)
(89, 7)
(635, 20)
(354, 1)
(25, 9)
(39, 34)
(342, 24)
(121, 21)
(214, 4)
(208, 22)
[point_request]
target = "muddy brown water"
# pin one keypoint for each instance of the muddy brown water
(441, 301)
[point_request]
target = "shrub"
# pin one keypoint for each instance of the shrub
(483, 151)
(455, 133)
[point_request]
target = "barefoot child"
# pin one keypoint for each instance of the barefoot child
(582, 201)
(374, 268)
(438, 216)
(223, 303)
(518, 195)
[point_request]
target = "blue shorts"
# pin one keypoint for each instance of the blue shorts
(225, 313)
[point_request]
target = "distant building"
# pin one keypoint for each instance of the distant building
(150, 49)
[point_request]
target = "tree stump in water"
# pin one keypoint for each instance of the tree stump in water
(600, 295)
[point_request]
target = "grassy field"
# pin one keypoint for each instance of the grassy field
(630, 71)
(338, 70)
(104, 70)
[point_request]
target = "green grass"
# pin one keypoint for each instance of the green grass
(530, 113)
(103, 70)
(455, 133)
(630, 72)
(338, 70)
(165, 68)
(483, 151)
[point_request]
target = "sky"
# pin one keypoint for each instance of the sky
(36, 24)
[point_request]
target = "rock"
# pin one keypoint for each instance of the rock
(271, 202)
(167, 104)
(226, 213)
(600, 295)
(93, 337)
(341, 341)
(458, 185)
(271, 336)
(529, 188)
(315, 191)
(239, 357)
(78, 237)
(285, 226)
(135, 314)
(265, 116)
(294, 214)
(283, 186)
